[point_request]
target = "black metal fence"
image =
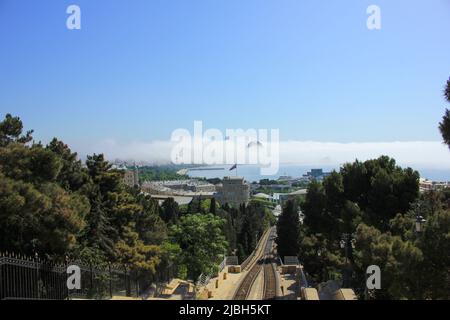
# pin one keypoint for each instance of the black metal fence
(34, 279)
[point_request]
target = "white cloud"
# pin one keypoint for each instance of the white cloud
(424, 154)
(427, 154)
(153, 151)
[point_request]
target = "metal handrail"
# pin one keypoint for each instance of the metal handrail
(204, 279)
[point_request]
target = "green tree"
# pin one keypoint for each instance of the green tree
(288, 230)
(351, 216)
(314, 208)
(103, 196)
(254, 220)
(335, 200)
(171, 262)
(41, 218)
(434, 242)
(138, 256)
(248, 234)
(36, 214)
(320, 262)
(444, 126)
(72, 176)
(375, 201)
(151, 228)
(229, 229)
(98, 231)
(356, 182)
(33, 164)
(334, 189)
(213, 206)
(202, 242)
(380, 188)
(398, 260)
(170, 211)
(11, 129)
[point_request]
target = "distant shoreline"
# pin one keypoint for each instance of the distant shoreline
(252, 172)
(206, 169)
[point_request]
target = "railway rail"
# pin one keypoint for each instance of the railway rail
(270, 283)
(263, 263)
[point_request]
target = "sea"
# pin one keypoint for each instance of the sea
(252, 173)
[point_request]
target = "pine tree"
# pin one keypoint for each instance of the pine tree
(11, 131)
(72, 175)
(98, 231)
(444, 126)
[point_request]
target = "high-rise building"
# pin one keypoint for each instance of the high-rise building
(233, 190)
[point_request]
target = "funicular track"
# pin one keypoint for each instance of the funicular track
(261, 263)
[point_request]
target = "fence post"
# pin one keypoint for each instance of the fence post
(67, 288)
(1, 278)
(127, 282)
(137, 286)
(91, 280)
(37, 275)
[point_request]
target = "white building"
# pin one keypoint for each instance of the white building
(428, 185)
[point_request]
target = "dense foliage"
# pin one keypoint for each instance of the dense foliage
(201, 241)
(288, 230)
(54, 205)
(365, 215)
(444, 126)
(158, 173)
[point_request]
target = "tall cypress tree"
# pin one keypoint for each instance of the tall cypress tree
(288, 229)
(170, 211)
(212, 206)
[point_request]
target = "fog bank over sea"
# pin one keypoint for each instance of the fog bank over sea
(252, 172)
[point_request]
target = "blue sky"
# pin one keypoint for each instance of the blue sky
(140, 69)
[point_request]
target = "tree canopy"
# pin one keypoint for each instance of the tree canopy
(375, 204)
(444, 125)
(56, 206)
(288, 230)
(201, 241)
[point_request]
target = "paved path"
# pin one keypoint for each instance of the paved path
(226, 287)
